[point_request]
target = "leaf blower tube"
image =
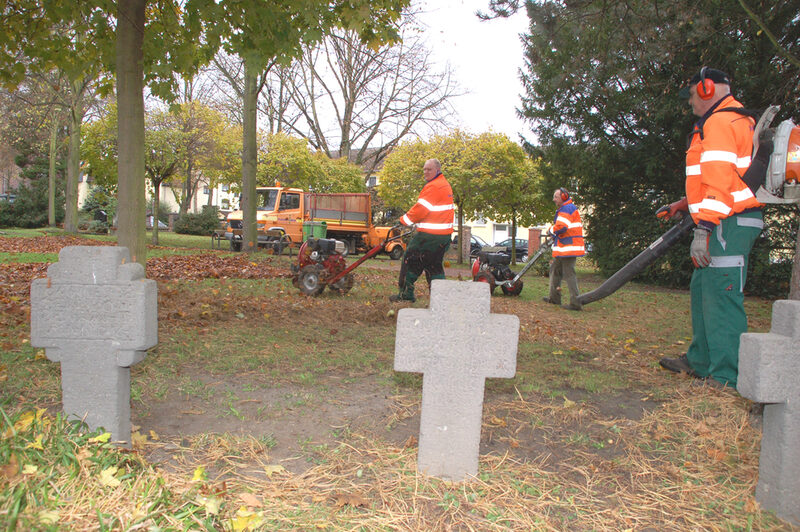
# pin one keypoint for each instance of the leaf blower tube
(639, 262)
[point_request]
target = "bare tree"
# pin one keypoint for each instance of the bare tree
(274, 91)
(358, 103)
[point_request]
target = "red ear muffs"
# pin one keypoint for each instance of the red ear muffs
(705, 89)
(564, 194)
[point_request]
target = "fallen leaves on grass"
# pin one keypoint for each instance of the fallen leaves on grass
(11, 469)
(273, 469)
(250, 500)
(350, 499)
(108, 477)
(212, 266)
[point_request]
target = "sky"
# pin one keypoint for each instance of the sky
(485, 57)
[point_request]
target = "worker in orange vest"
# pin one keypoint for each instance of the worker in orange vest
(728, 218)
(567, 234)
(433, 215)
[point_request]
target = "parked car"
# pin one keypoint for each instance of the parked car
(476, 244)
(161, 225)
(522, 248)
(8, 197)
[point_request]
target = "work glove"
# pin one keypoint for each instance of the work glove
(673, 211)
(699, 248)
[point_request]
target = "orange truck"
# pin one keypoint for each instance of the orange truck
(283, 213)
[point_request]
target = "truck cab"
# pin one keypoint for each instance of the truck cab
(279, 216)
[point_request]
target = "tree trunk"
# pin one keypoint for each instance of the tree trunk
(73, 159)
(249, 158)
(130, 80)
(51, 175)
(460, 235)
(156, 199)
(794, 284)
(187, 186)
(514, 250)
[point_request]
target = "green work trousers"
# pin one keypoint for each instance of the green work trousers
(718, 317)
(563, 268)
(424, 253)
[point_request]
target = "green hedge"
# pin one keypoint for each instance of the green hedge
(203, 223)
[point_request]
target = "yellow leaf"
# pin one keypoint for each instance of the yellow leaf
(48, 517)
(36, 444)
(199, 474)
(558, 352)
(568, 403)
(40, 355)
(102, 438)
(496, 421)
(26, 420)
(210, 504)
(246, 520)
(108, 477)
(29, 469)
(153, 435)
(273, 469)
(138, 440)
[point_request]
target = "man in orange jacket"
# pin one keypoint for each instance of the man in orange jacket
(567, 233)
(433, 216)
(728, 219)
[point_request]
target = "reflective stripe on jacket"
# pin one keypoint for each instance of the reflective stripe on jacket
(568, 229)
(434, 211)
(718, 155)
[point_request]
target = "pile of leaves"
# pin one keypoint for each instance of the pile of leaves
(212, 266)
(46, 244)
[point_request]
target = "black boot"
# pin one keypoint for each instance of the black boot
(677, 365)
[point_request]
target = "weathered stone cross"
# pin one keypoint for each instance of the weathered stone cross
(769, 372)
(456, 344)
(95, 313)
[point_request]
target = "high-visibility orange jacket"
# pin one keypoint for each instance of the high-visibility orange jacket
(720, 147)
(568, 229)
(433, 212)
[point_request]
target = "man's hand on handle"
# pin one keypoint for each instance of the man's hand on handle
(673, 211)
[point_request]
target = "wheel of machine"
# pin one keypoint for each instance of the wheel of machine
(236, 245)
(310, 279)
(513, 290)
(343, 285)
(396, 253)
(485, 277)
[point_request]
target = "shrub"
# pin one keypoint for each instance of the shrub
(30, 208)
(101, 205)
(203, 223)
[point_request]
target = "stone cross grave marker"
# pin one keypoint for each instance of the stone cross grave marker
(769, 372)
(95, 313)
(456, 345)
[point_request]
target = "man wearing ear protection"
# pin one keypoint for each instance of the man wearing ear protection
(728, 219)
(567, 233)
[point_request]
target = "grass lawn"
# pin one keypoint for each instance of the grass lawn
(264, 409)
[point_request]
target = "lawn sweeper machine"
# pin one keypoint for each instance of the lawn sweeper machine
(321, 262)
(492, 268)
